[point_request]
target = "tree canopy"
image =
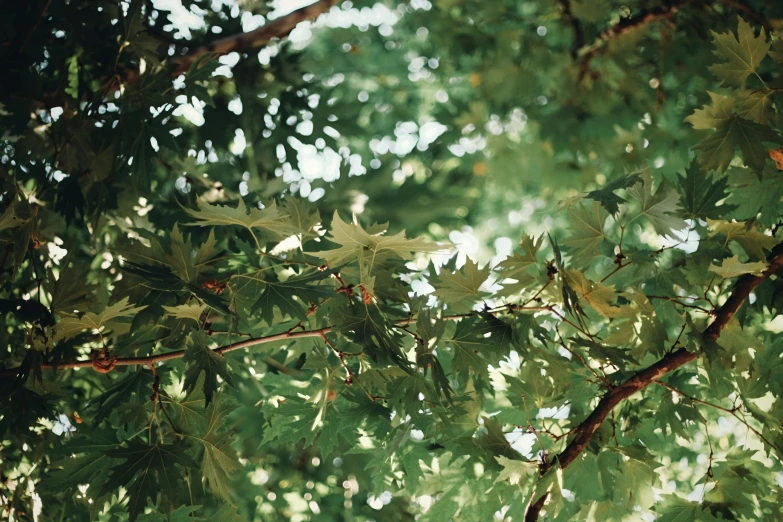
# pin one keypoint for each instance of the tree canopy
(382, 260)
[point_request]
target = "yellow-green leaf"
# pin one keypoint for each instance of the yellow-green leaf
(713, 115)
(186, 311)
(733, 267)
(742, 53)
(750, 239)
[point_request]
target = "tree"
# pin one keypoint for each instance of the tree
(259, 264)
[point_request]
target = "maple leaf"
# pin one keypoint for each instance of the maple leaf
(479, 342)
(599, 296)
(368, 328)
(269, 219)
(713, 115)
(518, 263)
(180, 256)
(294, 296)
(606, 195)
(292, 420)
(343, 420)
(71, 325)
(200, 358)
(226, 513)
(756, 106)
(587, 232)
(677, 509)
(701, 194)
(162, 279)
(516, 471)
(155, 473)
(198, 73)
(302, 218)
(733, 267)
(750, 239)
(219, 459)
(756, 198)
(518, 266)
(68, 291)
(743, 53)
(357, 243)
(186, 311)
(717, 149)
(662, 209)
(462, 286)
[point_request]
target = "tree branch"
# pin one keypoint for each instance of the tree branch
(585, 431)
(107, 364)
(278, 28)
(579, 35)
(629, 24)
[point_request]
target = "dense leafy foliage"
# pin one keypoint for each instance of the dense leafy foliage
(255, 270)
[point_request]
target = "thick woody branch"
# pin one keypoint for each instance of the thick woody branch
(278, 28)
(585, 431)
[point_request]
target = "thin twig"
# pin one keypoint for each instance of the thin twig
(680, 303)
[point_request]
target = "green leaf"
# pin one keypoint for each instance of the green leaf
(69, 292)
(220, 460)
(73, 76)
(186, 311)
(155, 470)
(479, 342)
(294, 296)
(599, 296)
(717, 149)
(292, 420)
(606, 196)
(197, 75)
(742, 53)
(162, 279)
(713, 115)
(733, 267)
(226, 513)
(71, 325)
(750, 239)
(358, 244)
(516, 471)
(368, 328)
(200, 358)
(268, 220)
(701, 194)
(662, 209)
(756, 106)
(462, 286)
(587, 232)
(677, 509)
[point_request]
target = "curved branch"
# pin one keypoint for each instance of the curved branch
(278, 28)
(585, 431)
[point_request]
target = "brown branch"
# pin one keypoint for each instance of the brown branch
(627, 25)
(106, 364)
(279, 28)
(152, 359)
(579, 35)
(585, 431)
